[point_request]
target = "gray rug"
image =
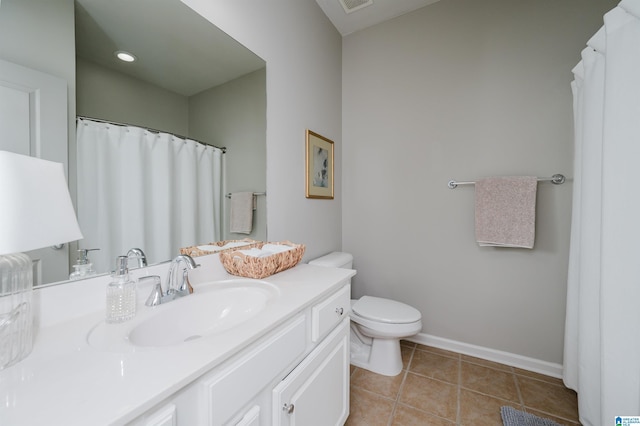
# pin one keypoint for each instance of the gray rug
(513, 417)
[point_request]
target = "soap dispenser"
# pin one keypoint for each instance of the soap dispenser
(121, 294)
(83, 267)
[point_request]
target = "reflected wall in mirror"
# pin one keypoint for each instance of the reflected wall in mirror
(189, 79)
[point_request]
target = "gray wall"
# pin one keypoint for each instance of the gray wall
(463, 89)
(114, 96)
(40, 35)
(50, 49)
(234, 115)
(303, 54)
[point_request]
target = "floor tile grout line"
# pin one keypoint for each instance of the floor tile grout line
(526, 408)
(520, 397)
(558, 416)
(509, 372)
(428, 413)
(442, 352)
(490, 395)
(373, 393)
(404, 378)
(543, 380)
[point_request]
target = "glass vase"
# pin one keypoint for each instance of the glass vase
(16, 312)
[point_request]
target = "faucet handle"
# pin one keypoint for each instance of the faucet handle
(173, 289)
(155, 297)
(186, 285)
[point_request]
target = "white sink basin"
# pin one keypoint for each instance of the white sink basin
(211, 309)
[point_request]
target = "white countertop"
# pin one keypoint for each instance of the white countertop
(66, 381)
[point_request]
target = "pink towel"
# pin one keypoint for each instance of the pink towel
(506, 211)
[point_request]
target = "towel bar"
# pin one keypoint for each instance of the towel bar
(556, 179)
(255, 193)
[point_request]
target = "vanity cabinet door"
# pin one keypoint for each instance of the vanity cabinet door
(316, 392)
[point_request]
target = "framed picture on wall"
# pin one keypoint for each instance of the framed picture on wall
(319, 166)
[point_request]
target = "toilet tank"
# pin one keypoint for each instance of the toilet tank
(336, 259)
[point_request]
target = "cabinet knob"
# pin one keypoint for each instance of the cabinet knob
(288, 408)
(340, 311)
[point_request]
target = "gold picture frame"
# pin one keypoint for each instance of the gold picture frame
(319, 166)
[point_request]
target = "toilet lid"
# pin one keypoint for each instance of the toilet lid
(385, 310)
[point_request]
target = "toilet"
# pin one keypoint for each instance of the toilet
(377, 325)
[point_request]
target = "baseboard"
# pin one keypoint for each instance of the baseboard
(514, 360)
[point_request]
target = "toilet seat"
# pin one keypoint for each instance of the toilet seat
(385, 311)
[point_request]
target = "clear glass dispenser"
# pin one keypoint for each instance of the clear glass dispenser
(83, 267)
(121, 294)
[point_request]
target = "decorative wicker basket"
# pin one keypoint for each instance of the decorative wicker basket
(237, 263)
(194, 251)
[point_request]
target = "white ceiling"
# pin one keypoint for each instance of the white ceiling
(177, 49)
(379, 11)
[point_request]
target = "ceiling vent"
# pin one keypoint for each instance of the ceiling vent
(353, 5)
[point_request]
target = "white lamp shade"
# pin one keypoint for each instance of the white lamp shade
(35, 205)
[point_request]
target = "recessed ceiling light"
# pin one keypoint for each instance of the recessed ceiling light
(125, 56)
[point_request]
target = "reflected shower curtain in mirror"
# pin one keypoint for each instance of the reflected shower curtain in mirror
(138, 188)
(602, 343)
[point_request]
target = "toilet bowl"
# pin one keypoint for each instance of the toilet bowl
(377, 325)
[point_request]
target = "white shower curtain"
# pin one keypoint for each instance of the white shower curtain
(148, 190)
(602, 331)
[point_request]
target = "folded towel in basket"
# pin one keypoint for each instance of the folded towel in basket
(256, 252)
(506, 211)
(266, 250)
(277, 248)
(214, 248)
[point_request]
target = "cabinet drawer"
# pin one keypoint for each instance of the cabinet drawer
(328, 313)
(229, 390)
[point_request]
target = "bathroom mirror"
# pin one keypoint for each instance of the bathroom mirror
(181, 55)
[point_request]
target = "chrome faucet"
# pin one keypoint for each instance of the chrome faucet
(174, 290)
(185, 287)
(136, 253)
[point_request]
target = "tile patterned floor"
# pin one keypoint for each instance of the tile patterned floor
(442, 388)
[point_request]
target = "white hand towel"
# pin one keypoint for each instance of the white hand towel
(256, 252)
(276, 248)
(213, 248)
(241, 221)
(506, 211)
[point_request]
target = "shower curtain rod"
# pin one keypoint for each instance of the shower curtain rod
(115, 123)
(556, 179)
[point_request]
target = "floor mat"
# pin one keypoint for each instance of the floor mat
(513, 417)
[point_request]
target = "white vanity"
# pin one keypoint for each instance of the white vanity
(285, 362)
